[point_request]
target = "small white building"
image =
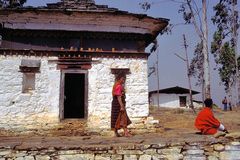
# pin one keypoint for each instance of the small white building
(173, 97)
(60, 62)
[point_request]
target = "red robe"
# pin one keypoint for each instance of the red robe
(119, 119)
(206, 122)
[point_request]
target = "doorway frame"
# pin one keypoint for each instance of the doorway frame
(185, 100)
(62, 86)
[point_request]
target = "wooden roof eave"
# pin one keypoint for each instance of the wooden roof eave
(117, 21)
(76, 28)
(8, 33)
(73, 54)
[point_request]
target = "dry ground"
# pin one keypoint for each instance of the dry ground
(175, 122)
(176, 125)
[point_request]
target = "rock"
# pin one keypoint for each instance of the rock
(235, 143)
(145, 157)
(130, 157)
(77, 157)
(44, 157)
(212, 158)
(102, 157)
(234, 135)
(232, 148)
(219, 134)
(170, 151)
(229, 155)
(117, 157)
(129, 152)
(25, 158)
(150, 151)
(191, 157)
(218, 147)
(195, 152)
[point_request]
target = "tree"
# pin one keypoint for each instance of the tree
(196, 66)
(224, 45)
(12, 3)
(191, 15)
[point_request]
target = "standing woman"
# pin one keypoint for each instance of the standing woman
(119, 117)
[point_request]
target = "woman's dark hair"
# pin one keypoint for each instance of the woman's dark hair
(208, 102)
(119, 76)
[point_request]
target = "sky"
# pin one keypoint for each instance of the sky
(172, 70)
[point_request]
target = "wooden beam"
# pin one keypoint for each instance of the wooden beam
(81, 54)
(75, 27)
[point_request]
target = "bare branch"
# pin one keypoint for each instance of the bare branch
(180, 57)
(200, 34)
(196, 8)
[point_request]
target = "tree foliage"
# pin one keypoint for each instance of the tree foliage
(227, 69)
(191, 15)
(196, 66)
(222, 46)
(12, 3)
(197, 16)
(146, 6)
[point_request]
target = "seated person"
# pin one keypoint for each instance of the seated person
(206, 122)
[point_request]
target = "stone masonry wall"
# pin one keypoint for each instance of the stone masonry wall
(163, 151)
(101, 81)
(40, 108)
(35, 109)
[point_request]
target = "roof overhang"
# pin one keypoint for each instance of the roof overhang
(174, 90)
(74, 20)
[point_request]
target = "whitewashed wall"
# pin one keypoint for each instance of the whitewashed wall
(167, 100)
(36, 109)
(100, 90)
(40, 108)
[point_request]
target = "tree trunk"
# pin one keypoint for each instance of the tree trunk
(188, 75)
(234, 36)
(206, 69)
(11, 2)
(203, 92)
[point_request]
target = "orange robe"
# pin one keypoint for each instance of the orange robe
(206, 122)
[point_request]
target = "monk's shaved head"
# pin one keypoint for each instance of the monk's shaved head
(208, 102)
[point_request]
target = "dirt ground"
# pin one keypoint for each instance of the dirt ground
(175, 121)
(176, 126)
(173, 124)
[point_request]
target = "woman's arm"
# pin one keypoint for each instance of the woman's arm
(120, 102)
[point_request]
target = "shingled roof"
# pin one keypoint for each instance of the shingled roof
(81, 16)
(77, 5)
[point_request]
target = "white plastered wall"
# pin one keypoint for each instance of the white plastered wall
(35, 109)
(167, 100)
(40, 107)
(101, 81)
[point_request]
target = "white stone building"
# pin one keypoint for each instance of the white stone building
(173, 97)
(60, 63)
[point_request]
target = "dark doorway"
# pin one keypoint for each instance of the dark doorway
(183, 101)
(74, 93)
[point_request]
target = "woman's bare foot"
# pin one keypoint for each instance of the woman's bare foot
(127, 134)
(117, 134)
